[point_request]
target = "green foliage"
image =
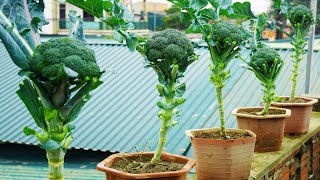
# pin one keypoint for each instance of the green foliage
(77, 27)
(119, 19)
(172, 19)
(19, 28)
(252, 31)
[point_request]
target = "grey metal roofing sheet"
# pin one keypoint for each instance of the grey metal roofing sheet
(122, 112)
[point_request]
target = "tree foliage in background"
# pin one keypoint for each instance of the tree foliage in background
(172, 19)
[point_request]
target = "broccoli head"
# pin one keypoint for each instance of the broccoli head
(169, 45)
(267, 61)
(50, 59)
(226, 34)
(301, 15)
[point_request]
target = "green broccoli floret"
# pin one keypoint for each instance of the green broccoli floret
(300, 15)
(50, 57)
(227, 34)
(169, 45)
(266, 64)
(264, 59)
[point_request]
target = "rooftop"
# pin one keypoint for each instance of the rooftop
(122, 113)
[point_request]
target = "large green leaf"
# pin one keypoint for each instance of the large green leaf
(77, 27)
(15, 52)
(21, 19)
(242, 10)
(282, 4)
(30, 98)
(115, 15)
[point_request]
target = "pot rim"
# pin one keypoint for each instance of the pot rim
(273, 116)
(189, 133)
(311, 101)
(186, 168)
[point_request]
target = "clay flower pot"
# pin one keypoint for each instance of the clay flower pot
(269, 129)
(222, 159)
(298, 123)
(113, 174)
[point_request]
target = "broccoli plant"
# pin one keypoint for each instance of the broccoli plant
(60, 74)
(301, 19)
(224, 39)
(63, 73)
(169, 53)
(266, 64)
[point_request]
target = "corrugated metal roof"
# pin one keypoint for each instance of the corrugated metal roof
(122, 112)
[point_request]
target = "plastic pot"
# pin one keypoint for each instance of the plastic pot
(222, 159)
(113, 174)
(299, 121)
(269, 129)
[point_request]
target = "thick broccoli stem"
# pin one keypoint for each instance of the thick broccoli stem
(221, 110)
(267, 98)
(166, 115)
(163, 130)
(218, 78)
(299, 50)
(55, 162)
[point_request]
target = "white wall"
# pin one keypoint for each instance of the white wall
(48, 29)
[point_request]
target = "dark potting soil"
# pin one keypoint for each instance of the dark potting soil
(255, 111)
(296, 100)
(230, 135)
(140, 165)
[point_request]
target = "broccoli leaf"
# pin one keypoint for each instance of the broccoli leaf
(22, 20)
(241, 11)
(50, 145)
(28, 131)
(282, 4)
(198, 4)
(119, 18)
(17, 55)
(77, 27)
(180, 90)
(30, 98)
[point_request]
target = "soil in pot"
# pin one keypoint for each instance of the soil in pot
(255, 111)
(296, 100)
(230, 135)
(301, 110)
(140, 165)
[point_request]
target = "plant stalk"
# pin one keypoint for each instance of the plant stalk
(268, 97)
(298, 49)
(56, 164)
(221, 110)
(163, 130)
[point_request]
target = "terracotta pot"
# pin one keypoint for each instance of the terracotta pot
(222, 159)
(269, 129)
(113, 174)
(298, 123)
